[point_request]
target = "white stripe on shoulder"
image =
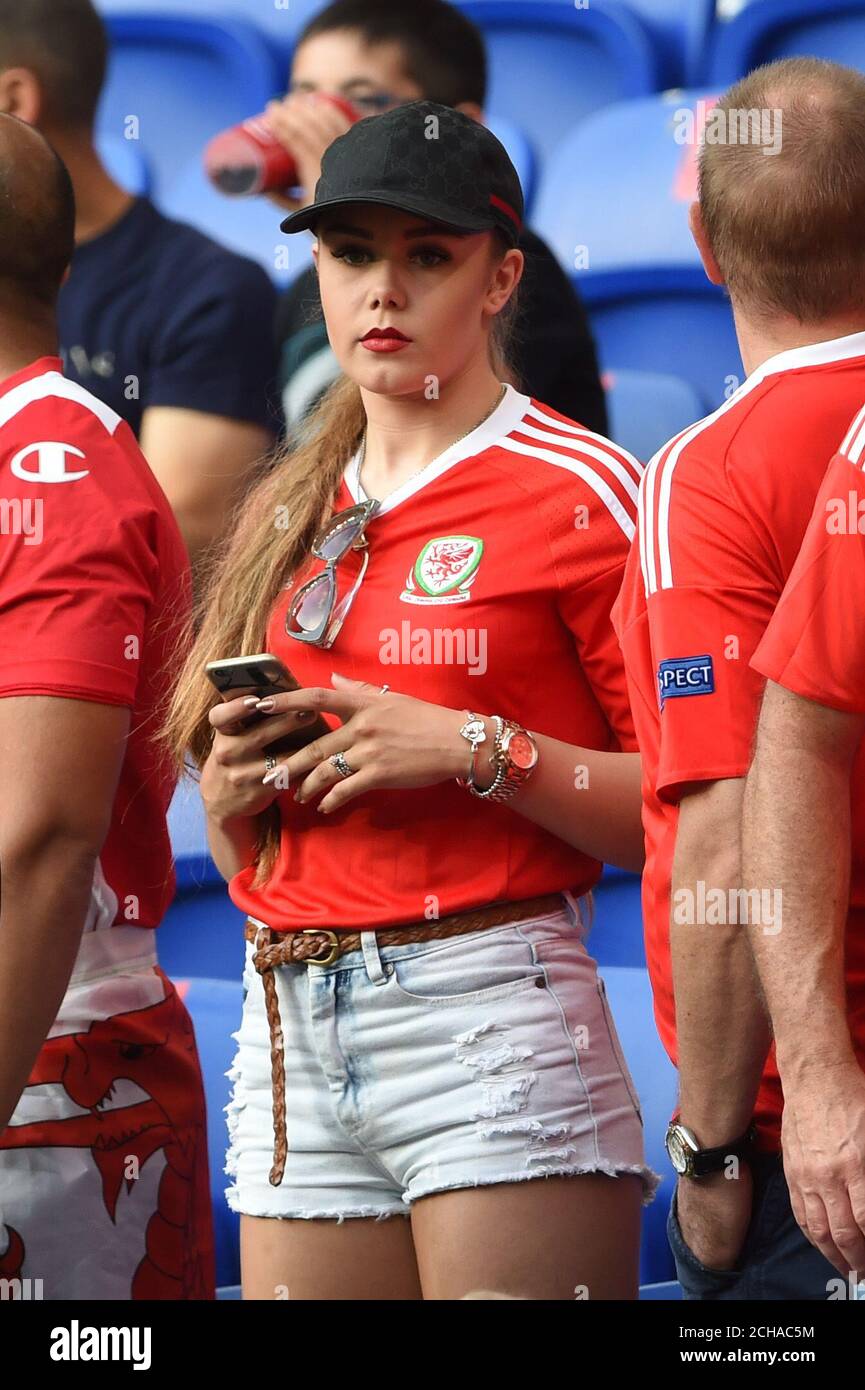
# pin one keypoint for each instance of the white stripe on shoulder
(582, 469)
(594, 446)
(581, 433)
(664, 464)
(851, 433)
(40, 388)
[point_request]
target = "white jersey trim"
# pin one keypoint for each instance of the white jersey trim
(583, 470)
(506, 417)
(54, 384)
(664, 461)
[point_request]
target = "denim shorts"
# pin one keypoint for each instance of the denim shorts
(489, 1057)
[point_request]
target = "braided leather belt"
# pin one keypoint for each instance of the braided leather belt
(304, 946)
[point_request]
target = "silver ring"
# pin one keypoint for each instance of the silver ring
(269, 762)
(341, 765)
(383, 689)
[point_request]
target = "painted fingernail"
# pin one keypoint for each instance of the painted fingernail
(272, 775)
(265, 704)
(304, 714)
(250, 701)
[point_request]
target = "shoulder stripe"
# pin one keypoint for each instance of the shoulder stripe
(56, 385)
(857, 443)
(582, 470)
(580, 433)
(851, 433)
(583, 448)
(659, 487)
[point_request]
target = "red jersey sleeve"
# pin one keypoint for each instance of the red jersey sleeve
(815, 643)
(712, 584)
(589, 561)
(78, 568)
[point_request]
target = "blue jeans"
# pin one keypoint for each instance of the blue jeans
(776, 1261)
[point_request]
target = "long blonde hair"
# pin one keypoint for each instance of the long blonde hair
(271, 536)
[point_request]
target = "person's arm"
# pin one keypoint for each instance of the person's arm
(722, 1032)
(59, 765)
(232, 841)
(202, 462)
(796, 843)
(209, 399)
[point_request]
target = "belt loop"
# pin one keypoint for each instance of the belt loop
(572, 904)
(372, 960)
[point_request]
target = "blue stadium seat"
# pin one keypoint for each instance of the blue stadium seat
(522, 155)
(215, 1008)
(182, 80)
(771, 29)
(202, 929)
(249, 226)
(613, 204)
(654, 1076)
(647, 408)
(551, 64)
(617, 919)
(680, 30)
(125, 162)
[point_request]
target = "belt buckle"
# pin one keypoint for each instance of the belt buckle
(334, 948)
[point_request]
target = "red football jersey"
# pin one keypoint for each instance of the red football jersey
(490, 581)
(723, 509)
(94, 580)
(815, 643)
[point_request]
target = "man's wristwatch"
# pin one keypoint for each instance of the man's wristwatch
(690, 1161)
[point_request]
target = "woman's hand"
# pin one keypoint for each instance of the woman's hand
(388, 740)
(231, 784)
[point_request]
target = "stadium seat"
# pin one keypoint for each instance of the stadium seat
(249, 226)
(215, 1008)
(680, 30)
(613, 204)
(202, 929)
(617, 920)
(768, 29)
(647, 408)
(522, 155)
(125, 162)
(177, 81)
(551, 63)
(630, 998)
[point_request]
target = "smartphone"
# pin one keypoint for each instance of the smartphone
(262, 674)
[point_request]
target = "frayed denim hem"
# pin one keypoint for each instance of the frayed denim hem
(650, 1179)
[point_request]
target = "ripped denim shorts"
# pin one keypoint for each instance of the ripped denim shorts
(484, 1058)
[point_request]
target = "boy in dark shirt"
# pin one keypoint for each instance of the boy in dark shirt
(377, 54)
(171, 330)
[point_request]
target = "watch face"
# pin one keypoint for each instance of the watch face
(676, 1151)
(522, 751)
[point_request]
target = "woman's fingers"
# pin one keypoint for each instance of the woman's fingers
(316, 698)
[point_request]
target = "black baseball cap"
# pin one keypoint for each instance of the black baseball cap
(451, 169)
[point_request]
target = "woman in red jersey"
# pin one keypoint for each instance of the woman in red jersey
(424, 1031)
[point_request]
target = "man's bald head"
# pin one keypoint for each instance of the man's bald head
(37, 215)
(787, 228)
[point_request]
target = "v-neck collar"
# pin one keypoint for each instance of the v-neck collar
(505, 418)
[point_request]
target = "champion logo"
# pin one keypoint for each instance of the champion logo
(444, 571)
(49, 463)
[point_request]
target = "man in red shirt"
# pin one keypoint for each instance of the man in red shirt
(104, 1188)
(723, 508)
(809, 752)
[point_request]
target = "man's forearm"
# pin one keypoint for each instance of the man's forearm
(796, 842)
(44, 897)
(722, 1031)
